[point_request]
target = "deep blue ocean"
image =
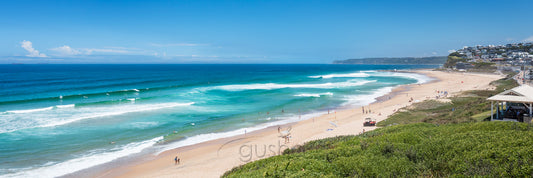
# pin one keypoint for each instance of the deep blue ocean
(57, 119)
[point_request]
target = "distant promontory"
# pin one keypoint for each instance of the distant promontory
(395, 60)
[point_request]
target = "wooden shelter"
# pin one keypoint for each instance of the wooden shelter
(516, 103)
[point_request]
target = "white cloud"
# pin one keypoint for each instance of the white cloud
(27, 45)
(451, 51)
(434, 53)
(67, 50)
(176, 44)
(89, 51)
(530, 39)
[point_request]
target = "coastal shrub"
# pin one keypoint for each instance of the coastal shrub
(492, 149)
(460, 109)
(452, 60)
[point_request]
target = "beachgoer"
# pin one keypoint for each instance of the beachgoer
(176, 160)
(279, 129)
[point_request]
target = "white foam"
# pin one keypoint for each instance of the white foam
(313, 94)
(366, 99)
(65, 106)
(418, 77)
(142, 125)
(96, 157)
(49, 118)
(270, 86)
(138, 108)
(213, 136)
(350, 75)
(30, 110)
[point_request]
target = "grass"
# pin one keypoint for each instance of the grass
(481, 116)
(459, 110)
(483, 67)
(493, 149)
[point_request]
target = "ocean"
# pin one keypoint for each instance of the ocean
(59, 119)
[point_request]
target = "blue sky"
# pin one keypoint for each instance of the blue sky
(251, 31)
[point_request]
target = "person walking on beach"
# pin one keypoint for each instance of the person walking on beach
(176, 160)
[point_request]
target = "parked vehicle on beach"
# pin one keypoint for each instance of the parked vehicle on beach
(369, 122)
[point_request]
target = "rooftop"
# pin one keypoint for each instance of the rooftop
(521, 94)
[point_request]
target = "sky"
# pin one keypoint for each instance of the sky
(109, 31)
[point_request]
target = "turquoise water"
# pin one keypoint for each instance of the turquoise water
(58, 119)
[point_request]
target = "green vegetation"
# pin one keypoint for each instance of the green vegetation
(483, 67)
(461, 109)
(521, 47)
(401, 60)
(431, 141)
(453, 59)
(494, 149)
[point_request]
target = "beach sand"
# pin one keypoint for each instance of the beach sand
(213, 158)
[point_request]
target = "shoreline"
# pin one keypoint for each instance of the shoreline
(229, 151)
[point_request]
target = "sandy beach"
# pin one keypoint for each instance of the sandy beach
(213, 158)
